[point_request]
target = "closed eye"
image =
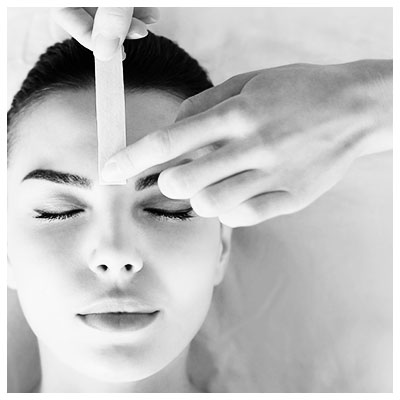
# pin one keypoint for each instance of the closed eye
(161, 214)
(42, 214)
(177, 215)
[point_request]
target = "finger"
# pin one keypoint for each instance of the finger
(77, 22)
(184, 181)
(149, 15)
(137, 29)
(260, 208)
(221, 122)
(110, 27)
(213, 96)
(223, 196)
(91, 11)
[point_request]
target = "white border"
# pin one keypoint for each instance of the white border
(396, 199)
(396, 260)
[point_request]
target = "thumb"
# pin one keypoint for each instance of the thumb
(213, 96)
(110, 27)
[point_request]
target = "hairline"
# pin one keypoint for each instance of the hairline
(41, 96)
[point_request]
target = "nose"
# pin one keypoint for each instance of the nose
(114, 258)
(114, 266)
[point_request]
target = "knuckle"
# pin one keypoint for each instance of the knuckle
(265, 149)
(160, 143)
(239, 114)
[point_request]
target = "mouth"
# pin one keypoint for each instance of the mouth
(119, 321)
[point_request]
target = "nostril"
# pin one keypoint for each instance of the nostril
(128, 267)
(104, 268)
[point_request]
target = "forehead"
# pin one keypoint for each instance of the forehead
(62, 128)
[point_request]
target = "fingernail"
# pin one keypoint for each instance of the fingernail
(104, 47)
(139, 32)
(111, 171)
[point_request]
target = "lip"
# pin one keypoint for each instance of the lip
(117, 305)
(119, 321)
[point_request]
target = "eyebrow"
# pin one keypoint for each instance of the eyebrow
(59, 177)
(76, 180)
(147, 181)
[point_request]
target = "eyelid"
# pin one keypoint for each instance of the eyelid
(47, 216)
(58, 205)
(61, 200)
(165, 202)
(58, 211)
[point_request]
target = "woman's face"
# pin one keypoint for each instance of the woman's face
(72, 242)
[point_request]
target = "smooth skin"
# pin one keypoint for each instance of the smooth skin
(281, 137)
(57, 264)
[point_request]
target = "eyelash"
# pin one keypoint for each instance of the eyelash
(182, 215)
(54, 216)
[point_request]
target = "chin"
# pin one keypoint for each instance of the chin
(120, 368)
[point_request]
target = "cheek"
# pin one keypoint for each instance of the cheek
(43, 264)
(187, 262)
(39, 250)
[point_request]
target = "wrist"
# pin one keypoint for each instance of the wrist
(372, 84)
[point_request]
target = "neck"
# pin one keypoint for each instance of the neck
(58, 377)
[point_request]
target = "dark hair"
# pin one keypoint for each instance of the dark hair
(153, 62)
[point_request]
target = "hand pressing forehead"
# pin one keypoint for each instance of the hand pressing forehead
(282, 138)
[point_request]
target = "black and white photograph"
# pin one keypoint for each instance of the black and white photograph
(200, 200)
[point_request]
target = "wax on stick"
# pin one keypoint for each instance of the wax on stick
(110, 111)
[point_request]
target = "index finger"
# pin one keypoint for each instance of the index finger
(112, 22)
(161, 146)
